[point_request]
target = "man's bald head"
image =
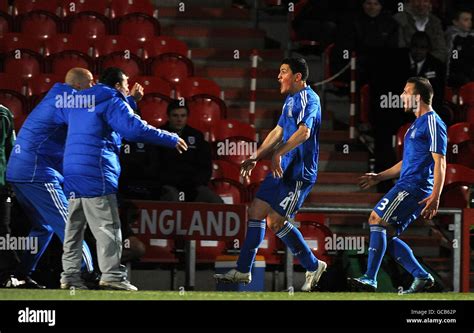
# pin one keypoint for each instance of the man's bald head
(79, 78)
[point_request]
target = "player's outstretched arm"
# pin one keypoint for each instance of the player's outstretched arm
(300, 136)
(271, 141)
(432, 201)
(370, 179)
(123, 120)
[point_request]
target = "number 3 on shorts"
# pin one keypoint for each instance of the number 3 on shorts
(383, 204)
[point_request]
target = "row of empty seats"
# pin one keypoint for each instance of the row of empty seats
(109, 8)
(90, 25)
(26, 63)
(21, 95)
(93, 47)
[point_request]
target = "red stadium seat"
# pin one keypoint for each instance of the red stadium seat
(272, 248)
(6, 7)
(261, 170)
(449, 95)
(400, 139)
(159, 250)
(243, 149)
(456, 186)
(14, 41)
(87, 25)
(461, 135)
(67, 42)
(111, 44)
(192, 86)
(230, 192)
(153, 84)
(79, 6)
(23, 63)
(119, 8)
(131, 66)
(298, 7)
(315, 236)
(205, 111)
(61, 63)
(138, 27)
(13, 82)
(153, 109)
(27, 6)
(5, 23)
(208, 250)
(40, 84)
(40, 24)
(17, 104)
(233, 129)
(171, 67)
(225, 170)
(466, 94)
(159, 45)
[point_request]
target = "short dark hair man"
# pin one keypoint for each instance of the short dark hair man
(417, 191)
(294, 147)
(184, 177)
(91, 173)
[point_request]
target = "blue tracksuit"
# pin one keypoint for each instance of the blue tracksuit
(35, 171)
(91, 157)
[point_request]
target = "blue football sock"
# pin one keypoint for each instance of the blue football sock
(377, 247)
(403, 254)
(293, 238)
(253, 239)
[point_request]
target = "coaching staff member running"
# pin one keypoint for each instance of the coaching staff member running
(91, 173)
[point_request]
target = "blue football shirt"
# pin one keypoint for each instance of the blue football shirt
(303, 107)
(426, 135)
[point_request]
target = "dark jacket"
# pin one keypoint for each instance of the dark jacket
(189, 169)
(7, 138)
(91, 156)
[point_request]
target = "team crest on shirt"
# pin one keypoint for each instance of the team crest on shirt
(191, 140)
(290, 105)
(140, 145)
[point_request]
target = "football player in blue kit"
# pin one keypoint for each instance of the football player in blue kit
(417, 191)
(294, 147)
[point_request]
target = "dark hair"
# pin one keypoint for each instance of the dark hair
(111, 76)
(458, 11)
(177, 104)
(423, 88)
(298, 65)
(420, 37)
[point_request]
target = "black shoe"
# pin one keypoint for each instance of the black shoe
(22, 283)
(91, 279)
(420, 285)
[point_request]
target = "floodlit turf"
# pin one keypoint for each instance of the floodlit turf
(7, 294)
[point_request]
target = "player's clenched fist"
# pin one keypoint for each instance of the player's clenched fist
(137, 92)
(181, 146)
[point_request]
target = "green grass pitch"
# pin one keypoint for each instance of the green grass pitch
(51, 294)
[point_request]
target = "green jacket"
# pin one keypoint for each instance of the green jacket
(7, 139)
